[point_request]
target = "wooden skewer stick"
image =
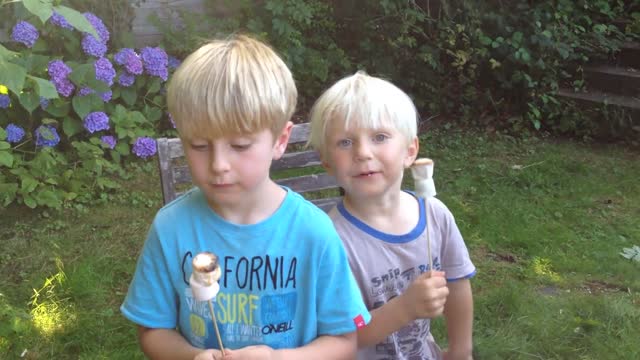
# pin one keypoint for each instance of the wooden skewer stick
(422, 171)
(215, 326)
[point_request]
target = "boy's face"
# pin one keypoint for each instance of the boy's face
(368, 163)
(234, 169)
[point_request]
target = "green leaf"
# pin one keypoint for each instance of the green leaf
(29, 100)
(45, 88)
(129, 96)
(79, 73)
(154, 87)
(3, 134)
(48, 198)
(4, 145)
(58, 108)
(40, 8)
(12, 76)
(6, 159)
(28, 184)
(77, 20)
(81, 105)
(71, 126)
(29, 201)
(6, 53)
(122, 148)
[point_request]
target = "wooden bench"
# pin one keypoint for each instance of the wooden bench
(175, 177)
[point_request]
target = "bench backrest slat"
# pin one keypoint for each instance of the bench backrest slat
(175, 175)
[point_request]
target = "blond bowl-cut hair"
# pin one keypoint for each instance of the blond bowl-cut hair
(229, 87)
(361, 101)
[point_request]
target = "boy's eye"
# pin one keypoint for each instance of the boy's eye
(241, 147)
(343, 143)
(380, 138)
(199, 146)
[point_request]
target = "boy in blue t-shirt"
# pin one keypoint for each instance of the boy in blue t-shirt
(286, 290)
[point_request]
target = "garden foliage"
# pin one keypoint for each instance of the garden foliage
(72, 108)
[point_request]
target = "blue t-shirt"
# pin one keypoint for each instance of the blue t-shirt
(285, 281)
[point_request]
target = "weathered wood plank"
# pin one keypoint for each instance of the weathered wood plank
(174, 174)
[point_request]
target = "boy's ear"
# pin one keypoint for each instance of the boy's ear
(327, 167)
(280, 145)
(412, 152)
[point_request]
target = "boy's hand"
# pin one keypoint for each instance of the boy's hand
(254, 352)
(211, 354)
(426, 296)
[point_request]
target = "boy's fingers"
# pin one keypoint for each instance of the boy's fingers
(432, 273)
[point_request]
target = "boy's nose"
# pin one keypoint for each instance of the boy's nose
(219, 162)
(362, 151)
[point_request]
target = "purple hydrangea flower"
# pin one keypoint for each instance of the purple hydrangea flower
(109, 141)
(84, 91)
(64, 87)
(4, 101)
(58, 71)
(155, 62)
(130, 60)
(97, 23)
(14, 133)
(106, 96)
(174, 62)
(126, 79)
(104, 71)
(96, 121)
(46, 135)
(25, 33)
(60, 21)
(144, 147)
(173, 123)
(93, 47)
(44, 103)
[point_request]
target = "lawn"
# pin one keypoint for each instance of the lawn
(545, 221)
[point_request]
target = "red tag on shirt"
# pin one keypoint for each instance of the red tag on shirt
(359, 321)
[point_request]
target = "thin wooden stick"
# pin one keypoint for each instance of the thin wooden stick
(215, 326)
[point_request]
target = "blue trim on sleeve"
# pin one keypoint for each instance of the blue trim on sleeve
(395, 239)
(468, 276)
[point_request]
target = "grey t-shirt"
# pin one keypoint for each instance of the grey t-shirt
(384, 266)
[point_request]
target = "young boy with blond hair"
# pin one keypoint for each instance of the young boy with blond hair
(365, 129)
(286, 291)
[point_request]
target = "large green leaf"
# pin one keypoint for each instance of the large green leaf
(45, 88)
(77, 20)
(6, 159)
(129, 95)
(41, 8)
(12, 76)
(79, 73)
(71, 126)
(82, 105)
(29, 100)
(6, 53)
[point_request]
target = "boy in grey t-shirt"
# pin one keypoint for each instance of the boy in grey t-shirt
(365, 129)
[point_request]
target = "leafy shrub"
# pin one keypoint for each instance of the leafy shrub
(72, 113)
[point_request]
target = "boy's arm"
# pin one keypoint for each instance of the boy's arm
(324, 347)
(161, 344)
(458, 313)
(425, 298)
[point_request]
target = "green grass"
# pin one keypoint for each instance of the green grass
(544, 220)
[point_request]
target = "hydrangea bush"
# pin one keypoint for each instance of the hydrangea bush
(73, 111)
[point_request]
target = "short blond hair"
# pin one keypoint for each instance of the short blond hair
(234, 86)
(362, 101)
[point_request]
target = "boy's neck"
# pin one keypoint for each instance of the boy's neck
(255, 207)
(396, 213)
